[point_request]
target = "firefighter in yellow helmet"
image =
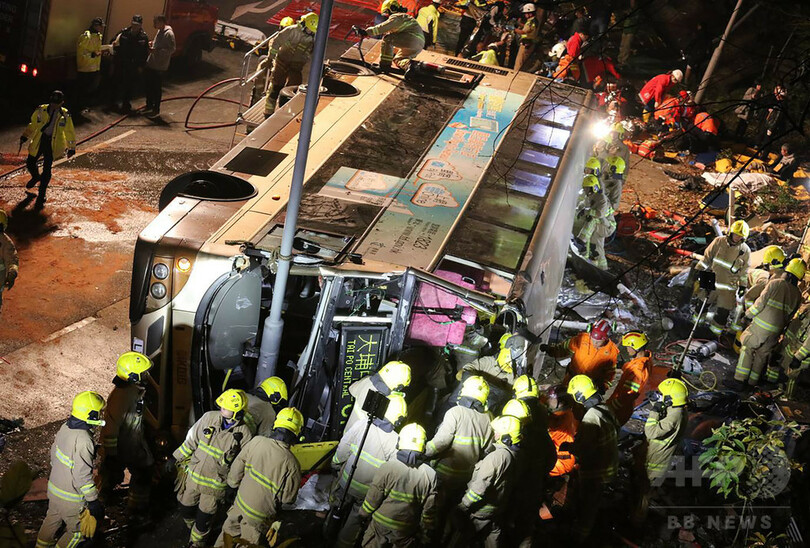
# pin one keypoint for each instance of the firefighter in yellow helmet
(402, 37)
(263, 403)
(727, 256)
(773, 265)
(613, 178)
(73, 504)
(595, 447)
(769, 316)
(793, 355)
(267, 475)
(508, 364)
(9, 262)
(286, 22)
(123, 438)
(635, 373)
(380, 446)
(287, 54)
(460, 441)
(204, 460)
(401, 502)
(594, 222)
(392, 378)
(493, 479)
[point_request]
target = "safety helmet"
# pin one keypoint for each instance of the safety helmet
(396, 375)
(677, 75)
(594, 164)
(3, 219)
(617, 164)
(310, 21)
(774, 257)
(475, 387)
(528, 8)
(581, 387)
(557, 50)
(675, 389)
(618, 127)
(397, 409)
(291, 419)
(740, 228)
(507, 429)
(517, 409)
(525, 387)
(503, 339)
(286, 22)
(233, 400)
(513, 349)
(591, 181)
(635, 340)
(131, 366)
(389, 6)
(600, 330)
(275, 388)
(797, 268)
(87, 407)
(412, 437)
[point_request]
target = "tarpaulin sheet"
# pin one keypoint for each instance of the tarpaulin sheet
(344, 15)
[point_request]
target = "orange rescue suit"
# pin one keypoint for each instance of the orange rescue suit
(704, 122)
(586, 359)
(634, 377)
(562, 427)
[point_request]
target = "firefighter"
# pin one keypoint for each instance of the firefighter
(769, 315)
(474, 13)
(596, 450)
(123, 437)
(592, 353)
(593, 166)
(528, 36)
(493, 479)
(509, 363)
(51, 134)
(773, 265)
(73, 503)
(268, 398)
(401, 34)
(9, 262)
(654, 91)
(488, 56)
(727, 256)
(428, 19)
(288, 52)
(401, 502)
(594, 222)
(204, 460)
(665, 427)
(286, 22)
(536, 428)
(634, 376)
(794, 350)
(379, 447)
(614, 179)
(267, 475)
(392, 378)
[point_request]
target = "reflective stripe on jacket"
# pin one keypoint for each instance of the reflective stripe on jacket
(428, 19)
(72, 455)
(123, 434)
(460, 441)
(796, 340)
(600, 216)
(492, 481)
(586, 359)
(663, 437)
(88, 52)
(260, 415)
(757, 280)
(595, 445)
(774, 308)
(729, 263)
(632, 382)
(380, 446)
(397, 23)
(292, 45)
(63, 138)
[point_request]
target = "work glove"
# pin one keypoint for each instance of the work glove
(359, 31)
(659, 407)
(544, 347)
(740, 292)
(71, 152)
(272, 534)
(87, 523)
(579, 245)
(230, 494)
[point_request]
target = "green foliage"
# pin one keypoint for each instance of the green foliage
(776, 199)
(737, 455)
(769, 540)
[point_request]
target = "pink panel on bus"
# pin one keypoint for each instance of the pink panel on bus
(433, 329)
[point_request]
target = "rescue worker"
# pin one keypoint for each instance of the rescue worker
(401, 502)
(462, 438)
(88, 63)
(509, 363)
(123, 437)
(592, 353)
(402, 37)
(654, 91)
(769, 315)
(727, 256)
(794, 350)
(73, 504)
(51, 134)
(267, 475)
(593, 166)
(428, 19)
(634, 376)
(488, 56)
(392, 378)
(9, 261)
(288, 52)
(703, 135)
(380, 446)
(596, 450)
(773, 265)
(493, 479)
(263, 403)
(286, 22)
(474, 12)
(614, 179)
(528, 36)
(594, 223)
(204, 460)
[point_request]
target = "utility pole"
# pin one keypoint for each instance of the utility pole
(273, 325)
(704, 83)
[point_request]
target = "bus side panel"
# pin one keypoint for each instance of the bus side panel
(182, 334)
